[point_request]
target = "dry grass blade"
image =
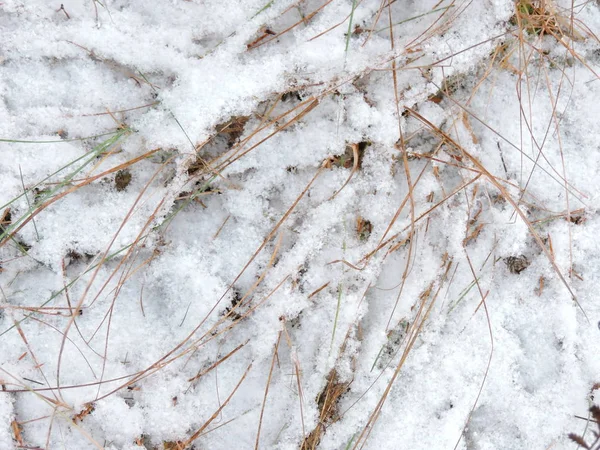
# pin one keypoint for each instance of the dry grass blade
(382, 244)
(97, 270)
(198, 432)
(355, 156)
(337, 24)
(304, 20)
(86, 182)
(149, 105)
(410, 195)
(310, 105)
(426, 303)
(404, 210)
(264, 402)
(489, 362)
(17, 433)
(215, 364)
(558, 178)
(493, 180)
(328, 403)
(213, 333)
(297, 374)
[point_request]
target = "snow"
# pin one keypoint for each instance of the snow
(245, 260)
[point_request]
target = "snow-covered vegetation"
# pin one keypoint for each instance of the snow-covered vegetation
(299, 224)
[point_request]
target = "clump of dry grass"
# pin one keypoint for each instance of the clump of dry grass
(542, 17)
(328, 406)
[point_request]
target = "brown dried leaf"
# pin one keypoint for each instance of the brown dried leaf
(89, 408)
(473, 235)
(579, 440)
(16, 429)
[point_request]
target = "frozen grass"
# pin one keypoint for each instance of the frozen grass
(316, 224)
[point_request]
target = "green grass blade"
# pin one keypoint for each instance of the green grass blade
(349, 33)
(443, 8)
(56, 294)
(98, 150)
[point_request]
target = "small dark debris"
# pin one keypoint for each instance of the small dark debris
(364, 228)
(296, 322)
(62, 8)
(436, 98)
(183, 195)
(74, 256)
(207, 187)
(40, 194)
(5, 220)
(577, 219)
(122, 179)
(233, 128)
(358, 30)
(195, 166)
(292, 95)
(517, 264)
(144, 442)
(229, 311)
(24, 245)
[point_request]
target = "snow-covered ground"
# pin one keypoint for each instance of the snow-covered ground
(331, 224)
